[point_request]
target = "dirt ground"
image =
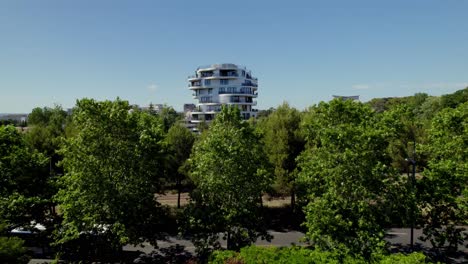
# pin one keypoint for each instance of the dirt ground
(170, 199)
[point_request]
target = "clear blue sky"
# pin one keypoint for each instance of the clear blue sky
(301, 51)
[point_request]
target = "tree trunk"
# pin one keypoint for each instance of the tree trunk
(179, 190)
(293, 200)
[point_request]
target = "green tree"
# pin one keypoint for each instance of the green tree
(454, 99)
(23, 179)
(46, 128)
(346, 175)
(169, 117)
(407, 130)
(229, 175)
(283, 142)
(444, 187)
(113, 166)
(180, 141)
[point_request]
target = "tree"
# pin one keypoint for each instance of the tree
(229, 175)
(444, 186)
(454, 99)
(169, 117)
(23, 180)
(407, 130)
(113, 166)
(180, 141)
(348, 183)
(283, 143)
(46, 128)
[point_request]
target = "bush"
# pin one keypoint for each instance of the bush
(412, 258)
(12, 251)
(299, 255)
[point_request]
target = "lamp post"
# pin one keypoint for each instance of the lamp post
(413, 181)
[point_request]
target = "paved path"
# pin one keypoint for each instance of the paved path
(396, 236)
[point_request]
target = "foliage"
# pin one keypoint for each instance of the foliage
(47, 125)
(455, 99)
(180, 141)
(282, 142)
(298, 255)
(346, 178)
(421, 105)
(265, 113)
(23, 179)
(169, 117)
(12, 250)
(445, 185)
(113, 167)
(228, 171)
(406, 130)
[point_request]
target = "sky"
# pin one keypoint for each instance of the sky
(302, 52)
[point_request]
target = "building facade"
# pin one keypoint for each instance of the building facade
(222, 84)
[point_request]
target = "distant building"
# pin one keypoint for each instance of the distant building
(21, 118)
(155, 107)
(352, 97)
(222, 84)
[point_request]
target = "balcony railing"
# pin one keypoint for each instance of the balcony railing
(221, 66)
(242, 101)
(249, 84)
(213, 75)
(194, 85)
(231, 74)
(236, 92)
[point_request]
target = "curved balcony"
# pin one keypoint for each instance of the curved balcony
(249, 84)
(239, 102)
(234, 93)
(199, 86)
(193, 77)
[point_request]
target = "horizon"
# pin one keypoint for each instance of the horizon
(301, 53)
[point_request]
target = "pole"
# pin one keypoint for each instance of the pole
(413, 185)
(413, 179)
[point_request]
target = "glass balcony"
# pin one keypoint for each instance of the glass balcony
(237, 92)
(249, 84)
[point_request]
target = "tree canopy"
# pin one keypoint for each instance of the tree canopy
(113, 167)
(346, 177)
(23, 180)
(444, 187)
(282, 142)
(179, 142)
(228, 172)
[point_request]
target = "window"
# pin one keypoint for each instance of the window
(207, 82)
(205, 99)
(243, 73)
(222, 90)
(210, 91)
(224, 81)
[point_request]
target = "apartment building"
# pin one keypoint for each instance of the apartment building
(222, 84)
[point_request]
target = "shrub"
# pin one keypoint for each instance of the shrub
(12, 251)
(299, 255)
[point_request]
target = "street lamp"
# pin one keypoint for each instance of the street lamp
(413, 181)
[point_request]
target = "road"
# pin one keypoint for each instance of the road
(396, 236)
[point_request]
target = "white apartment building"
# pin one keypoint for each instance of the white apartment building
(222, 84)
